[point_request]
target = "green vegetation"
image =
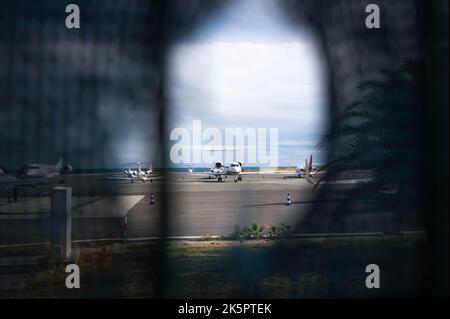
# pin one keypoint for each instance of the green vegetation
(294, 268)
(257, 232)
(379, 133)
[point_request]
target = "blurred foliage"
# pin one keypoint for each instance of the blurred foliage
(379, 134)
(254, 231)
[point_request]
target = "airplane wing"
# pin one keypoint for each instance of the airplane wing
(13, 181)
(6, 179)
(136, 178)
(209, 173)
(267, 172)
(121, 178)
(224, 173)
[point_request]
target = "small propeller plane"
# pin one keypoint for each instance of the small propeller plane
(138, 175)
(221, 171)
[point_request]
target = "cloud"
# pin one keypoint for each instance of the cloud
(250, 69)
(257, 81)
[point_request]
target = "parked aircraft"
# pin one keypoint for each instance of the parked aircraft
(136, 175)
(33, 175)
(221, 171)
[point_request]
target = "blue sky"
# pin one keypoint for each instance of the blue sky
(247, 67)
(89, 93)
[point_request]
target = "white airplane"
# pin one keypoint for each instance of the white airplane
(301, 171)
(138, 175)
(32, 175)
(44, 170)
(217, 169)
(306, 171)
(221, 171)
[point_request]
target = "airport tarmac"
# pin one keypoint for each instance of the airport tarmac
(197, 206)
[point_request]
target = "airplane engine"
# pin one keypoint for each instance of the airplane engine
(67, 168)
(219, 164)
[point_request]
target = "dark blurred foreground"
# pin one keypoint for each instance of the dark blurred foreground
(296, 268)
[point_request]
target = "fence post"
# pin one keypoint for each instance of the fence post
(61, 223)
(125, 229)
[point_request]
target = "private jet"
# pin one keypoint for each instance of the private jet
(306, 171)
(33, 175)
(137, 175)
(221, 171)
(301, 171)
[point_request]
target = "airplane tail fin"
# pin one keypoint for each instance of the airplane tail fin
(59, 164)
(310, 165)
(308, 171)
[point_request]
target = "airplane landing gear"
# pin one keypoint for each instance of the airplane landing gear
(12, 193)
(220, 179)
(239, 178)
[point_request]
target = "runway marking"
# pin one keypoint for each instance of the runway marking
(95, 199)
(112, 206)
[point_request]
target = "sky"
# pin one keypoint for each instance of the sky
(249, 68)
(84, 93)
(88, 93)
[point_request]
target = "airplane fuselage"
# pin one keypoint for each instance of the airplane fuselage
(39, 171)
(32, 175)
(233, 169)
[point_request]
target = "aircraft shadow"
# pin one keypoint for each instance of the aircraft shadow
(298, 202)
